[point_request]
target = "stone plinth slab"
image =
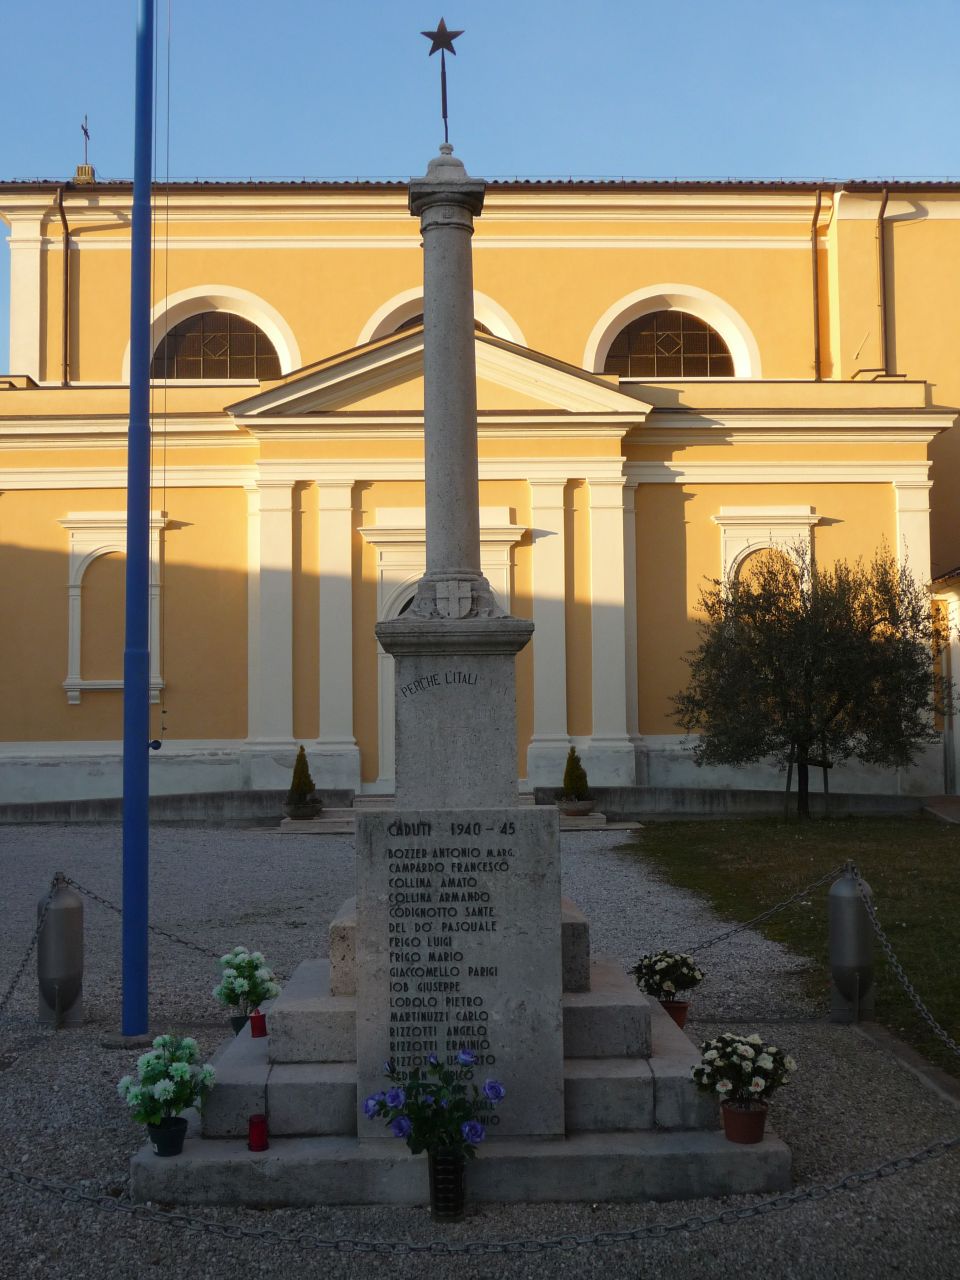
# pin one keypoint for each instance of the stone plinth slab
(611, 1020)
(605, 1167)
(574, 948)
(458, 938)
(679, 1103)
(312, 1098)
(240, 1091)
(603, 1095)
(307, 1025)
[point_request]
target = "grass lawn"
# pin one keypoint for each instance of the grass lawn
(911, 864)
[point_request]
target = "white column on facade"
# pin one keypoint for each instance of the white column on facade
(26, 248)
(913, 526)
(630, 605)
(550, 742)
(270, 612)
(610, 757)
(336, 745)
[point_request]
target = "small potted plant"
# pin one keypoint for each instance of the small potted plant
(742, 1072)
(245, 982)
(575, 798)
(168, 1081)
(664, 975)
(302, 801)
(438, 1110)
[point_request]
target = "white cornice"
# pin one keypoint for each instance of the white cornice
(491, 241)
(777, 472)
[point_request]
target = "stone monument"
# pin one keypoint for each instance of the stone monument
(458, 936)
(458, 899)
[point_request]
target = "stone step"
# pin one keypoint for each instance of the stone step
(307, 1025)
(331, 822)
(610, 1020)
(574, 948)
(341, 1170)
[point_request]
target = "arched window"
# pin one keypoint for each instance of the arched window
(669, 344)
(216, 344)
(413, 321)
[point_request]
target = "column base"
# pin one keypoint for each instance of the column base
(609, 762)
(546, 758)
(335, 763)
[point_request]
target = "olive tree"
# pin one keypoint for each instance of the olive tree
(808, 665)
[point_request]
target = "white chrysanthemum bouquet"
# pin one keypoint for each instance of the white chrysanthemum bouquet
(245, 981)
(168, 1081)
(667, 973)
(742, 1070)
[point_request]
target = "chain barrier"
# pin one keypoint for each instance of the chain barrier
(896, 966)
(154, 928)
(771, 911)
(346, 1244)
(31, 945)
(656, 1230)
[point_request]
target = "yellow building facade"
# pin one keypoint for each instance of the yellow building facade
(670, 377)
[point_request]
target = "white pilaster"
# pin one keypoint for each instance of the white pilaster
(630, 605)
(609, 757)
(550, 742)
(26, 246)
(913, 527)
(270, 613)
(339, 764)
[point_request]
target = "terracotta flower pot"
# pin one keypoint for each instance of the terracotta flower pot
(575, 808)
(677, 1010)
(744, 1124)
(167, 1137)
(446, 1168)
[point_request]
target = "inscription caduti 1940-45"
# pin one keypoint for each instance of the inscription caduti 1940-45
(458, 927)
(442, 917)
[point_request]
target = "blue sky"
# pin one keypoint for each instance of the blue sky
(320, 88)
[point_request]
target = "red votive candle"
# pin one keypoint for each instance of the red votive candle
(258, 1024)
(257, 1139)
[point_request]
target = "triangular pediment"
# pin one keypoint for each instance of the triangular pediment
(386, 377)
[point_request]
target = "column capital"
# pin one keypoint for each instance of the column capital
(446, 183)
(335, 494)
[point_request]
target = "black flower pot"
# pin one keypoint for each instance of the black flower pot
(446, 1167)
(167, 1137)
(238, 1022)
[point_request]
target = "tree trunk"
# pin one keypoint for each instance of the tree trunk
(786, 794)
(803, 783)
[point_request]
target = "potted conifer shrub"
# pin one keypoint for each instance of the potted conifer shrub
(575, 798)
(302, 802)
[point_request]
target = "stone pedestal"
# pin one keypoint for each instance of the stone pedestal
(458, 947)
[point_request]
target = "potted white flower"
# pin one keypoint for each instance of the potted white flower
(245, 982)
(664, 976)
(168, 1081)
(742, 1072)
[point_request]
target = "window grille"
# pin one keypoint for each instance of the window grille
(669, 344)
(218, 345)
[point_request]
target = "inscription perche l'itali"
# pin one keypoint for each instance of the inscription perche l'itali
(437, 679)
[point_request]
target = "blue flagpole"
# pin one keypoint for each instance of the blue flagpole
(136, 653)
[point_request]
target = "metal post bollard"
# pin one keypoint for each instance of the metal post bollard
(851, 952)
(60, 958)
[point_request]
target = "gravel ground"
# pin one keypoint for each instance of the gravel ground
(851, 1106)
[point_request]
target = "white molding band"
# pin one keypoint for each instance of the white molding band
(94, 534)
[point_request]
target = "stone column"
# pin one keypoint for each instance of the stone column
(913, 526)
(548, 748)
(270, 613)
(610, 757)
(339, 756)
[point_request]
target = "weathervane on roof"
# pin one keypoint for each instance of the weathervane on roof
(442, 39)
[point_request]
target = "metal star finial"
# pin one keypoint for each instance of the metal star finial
(442, 39)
